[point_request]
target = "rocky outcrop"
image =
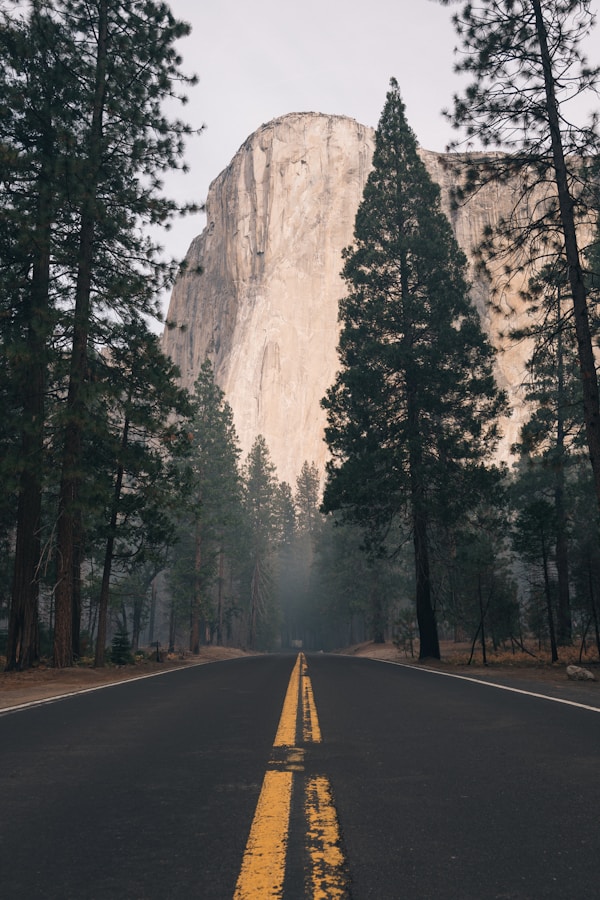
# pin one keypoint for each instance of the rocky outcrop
(260, 292)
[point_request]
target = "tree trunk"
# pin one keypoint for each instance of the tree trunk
(564, 630)
(548, 593)
(593, 605)
(254, 604)
(589, 379)
(197, 598)
(428, 635)
(172, 626)
(377, 615)
(481, 619)
(76, 604)
(220, 585)
(136, 622)
(68, 535)
(23, 633)
(108, 558)
(153, 597)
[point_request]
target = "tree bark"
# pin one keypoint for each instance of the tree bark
(548, 593)
(564, 629)
(197, 598)
(377, 614)
(69, 523)
(428, 636)
(220, 586)
(589, 379)
(482, 613)
(23, 632)
(429, 643)
(108, 557)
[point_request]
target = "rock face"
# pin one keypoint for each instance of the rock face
(260, 293)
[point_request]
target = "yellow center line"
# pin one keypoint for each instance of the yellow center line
(327, 876)
(286, 732)
(311, 731)
(263, 866)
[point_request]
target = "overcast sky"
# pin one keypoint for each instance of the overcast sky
(258, 59)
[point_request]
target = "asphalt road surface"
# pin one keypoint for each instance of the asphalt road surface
(359, 779)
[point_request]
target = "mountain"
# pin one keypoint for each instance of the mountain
(260, 290)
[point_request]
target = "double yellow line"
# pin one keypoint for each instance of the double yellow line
(263, 867)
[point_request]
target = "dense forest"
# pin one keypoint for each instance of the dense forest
(128, 517)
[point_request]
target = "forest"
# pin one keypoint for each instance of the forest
(129, 521)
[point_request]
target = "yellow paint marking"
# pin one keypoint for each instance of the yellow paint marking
(327, 878)
(263, 866)
(311, 730)
(286, 732)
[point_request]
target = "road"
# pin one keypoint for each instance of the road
(326, 777)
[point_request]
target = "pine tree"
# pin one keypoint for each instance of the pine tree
(33, 97)
(413, 413)
(84, 141)
(526, 63)
(262, 502)
(553, 431)
(144, 421)
(120, 649)
(306, 498)
(126, 67)
(212, 510)
(533, 535)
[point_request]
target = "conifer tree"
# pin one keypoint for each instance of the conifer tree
(33, 97)
(84, 140)
(145, 436)
(307, 498)
(413, 413)
(526, 64)
(127, 67)
(212, 509)
(552, 434)
(263, 508)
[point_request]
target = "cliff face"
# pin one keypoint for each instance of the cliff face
(260, 293)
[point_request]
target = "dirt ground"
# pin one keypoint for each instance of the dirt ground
(521, 671)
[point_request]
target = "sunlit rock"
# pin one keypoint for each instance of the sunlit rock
(260, 294)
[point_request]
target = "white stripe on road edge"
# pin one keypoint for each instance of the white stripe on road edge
(4, 711)
(500, 687)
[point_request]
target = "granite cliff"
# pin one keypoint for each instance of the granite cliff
(260, 292)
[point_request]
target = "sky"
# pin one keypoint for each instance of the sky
(262, 59)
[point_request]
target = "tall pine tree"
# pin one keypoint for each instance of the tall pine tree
(145, 436)
(127, 67)
(34, 95)
(211, 512)
(412, 415)
(526, 65)
(553, 432)
(263, 509)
